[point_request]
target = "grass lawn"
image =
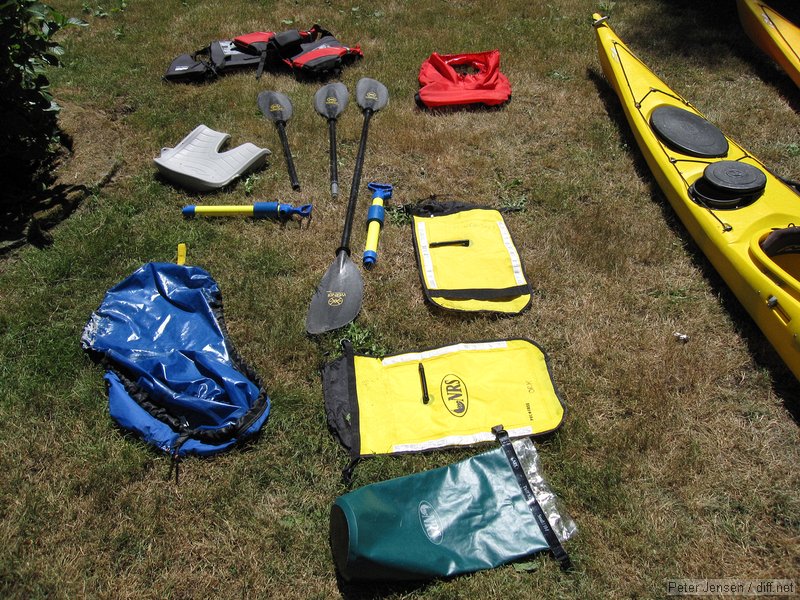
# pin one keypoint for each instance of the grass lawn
(676, 460)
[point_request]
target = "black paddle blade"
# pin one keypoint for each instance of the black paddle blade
(275, 106)
(338, 297)
(371, 95)
(331, 100)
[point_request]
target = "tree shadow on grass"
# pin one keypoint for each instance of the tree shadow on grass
(784, 383)
(701, 28)
(711, 32)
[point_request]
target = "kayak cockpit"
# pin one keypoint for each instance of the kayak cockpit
(782, 246)
(777, 252)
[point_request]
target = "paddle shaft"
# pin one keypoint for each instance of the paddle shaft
(334, 167)
(288, 154)
(351, 203)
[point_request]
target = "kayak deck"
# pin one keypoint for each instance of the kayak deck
(731, 232)
(774, 34)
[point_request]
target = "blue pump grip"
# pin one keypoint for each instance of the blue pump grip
(380, 190)
(265, 210)
(375, 213)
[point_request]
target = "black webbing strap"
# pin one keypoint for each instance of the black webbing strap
(262, 61)
(530, 498)
(347, 472)
(480, 293)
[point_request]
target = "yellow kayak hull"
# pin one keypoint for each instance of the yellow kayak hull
(731, 238)
(775, 35)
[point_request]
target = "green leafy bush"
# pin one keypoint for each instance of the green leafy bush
(29, 135)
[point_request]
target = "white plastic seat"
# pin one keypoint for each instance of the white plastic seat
(197, 164)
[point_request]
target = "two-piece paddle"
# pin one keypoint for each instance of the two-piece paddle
(278, 108)
(330, 101)
(338, 297)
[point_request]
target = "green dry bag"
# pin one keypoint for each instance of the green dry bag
(477, 514)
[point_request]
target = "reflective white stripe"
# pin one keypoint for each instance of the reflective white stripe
(418, 356)
(519, 276)
(459, 440)
(425, 251)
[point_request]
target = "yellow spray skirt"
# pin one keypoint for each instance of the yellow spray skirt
(378, 405)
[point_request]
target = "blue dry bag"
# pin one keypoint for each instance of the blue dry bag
(174, 377)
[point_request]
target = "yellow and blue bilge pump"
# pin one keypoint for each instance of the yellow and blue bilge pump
(257, 210)
(375, 217)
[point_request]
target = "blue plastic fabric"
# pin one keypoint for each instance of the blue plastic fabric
(160, 330)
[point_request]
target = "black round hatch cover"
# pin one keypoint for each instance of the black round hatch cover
(728, 184)
(688, 133)
(735, 177)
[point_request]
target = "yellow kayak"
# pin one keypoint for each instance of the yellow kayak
(774, 34)
(745, 220)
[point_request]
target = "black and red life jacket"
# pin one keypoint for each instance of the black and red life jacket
(458, 80)
(310, 53)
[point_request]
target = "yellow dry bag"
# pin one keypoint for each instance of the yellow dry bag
(443, 397)
(467, 259)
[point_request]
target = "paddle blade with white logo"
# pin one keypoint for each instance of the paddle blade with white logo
(338, 297)
(371, 94)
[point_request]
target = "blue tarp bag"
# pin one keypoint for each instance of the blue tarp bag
(174, 377)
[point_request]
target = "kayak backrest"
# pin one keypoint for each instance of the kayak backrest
(782, 241)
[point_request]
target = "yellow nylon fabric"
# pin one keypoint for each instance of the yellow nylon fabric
(471, 388)
(489, 261)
